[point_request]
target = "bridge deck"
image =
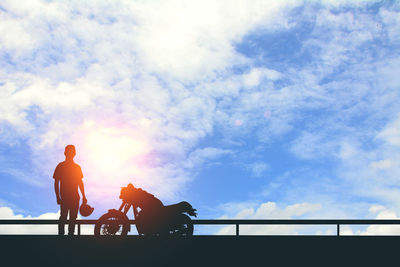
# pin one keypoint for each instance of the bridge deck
(198, 251)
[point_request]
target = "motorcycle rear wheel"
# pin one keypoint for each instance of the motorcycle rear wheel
(112, 224)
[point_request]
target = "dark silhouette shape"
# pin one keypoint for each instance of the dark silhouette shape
(198, 251)
(85, 210)
(152, 219)
(67, 179)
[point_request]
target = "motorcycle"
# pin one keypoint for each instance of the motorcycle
(172, 220)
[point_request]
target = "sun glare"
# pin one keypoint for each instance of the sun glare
(111, 155)
(110, 150)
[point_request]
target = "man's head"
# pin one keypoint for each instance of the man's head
(69, 152)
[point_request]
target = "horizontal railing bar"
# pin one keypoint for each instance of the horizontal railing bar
(23, 221)
(223, 221)
(302, 221)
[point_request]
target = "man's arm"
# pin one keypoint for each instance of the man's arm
(57, 189)
(82, 188)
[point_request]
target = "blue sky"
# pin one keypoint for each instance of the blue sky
(247, 109)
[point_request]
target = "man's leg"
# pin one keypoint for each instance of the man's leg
(73, 214)
(63, 218)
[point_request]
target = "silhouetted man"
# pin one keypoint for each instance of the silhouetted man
(67, 179)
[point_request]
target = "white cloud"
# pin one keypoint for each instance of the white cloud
(8, 213)
(391, 133)
(376, 208)
(312, 146)
(391, 19)
(381, 213)
(372, 172)
(258, 168)
(199, 156)
(270, 210)
(267, 210)
(254, 77)
(381, 164)
(383, 229)
(185, 40)
(346, 3)
(13, 35)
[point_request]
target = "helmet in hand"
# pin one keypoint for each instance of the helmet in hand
(85, 210)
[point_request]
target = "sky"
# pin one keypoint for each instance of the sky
(245, 109)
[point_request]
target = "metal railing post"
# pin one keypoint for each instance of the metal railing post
(79, 228)
(338, 230)
(237, 229)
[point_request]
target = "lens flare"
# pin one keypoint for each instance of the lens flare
(111, 156)
(111, 151)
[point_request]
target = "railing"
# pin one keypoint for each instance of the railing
(237, 223)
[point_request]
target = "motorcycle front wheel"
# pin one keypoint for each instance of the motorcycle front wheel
(112, 224)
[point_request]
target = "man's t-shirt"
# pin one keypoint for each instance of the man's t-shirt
(69, 174)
